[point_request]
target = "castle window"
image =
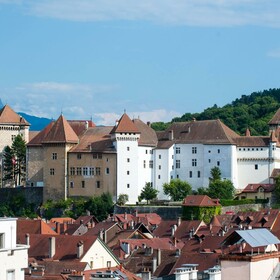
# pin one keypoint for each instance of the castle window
(83, 184)
(127, 148)
(85, 171)
(159, 167)
(178, 163)
(159, 176)
(128, 159)
(52, 171)
(144, 164)
(159, 156)
(79, 156)
(128, 186)
(91, 171)
(194, 162)
(97, 170)
(79, 171)
(190, 174)
(256, 166)
(107, 170)
(151, 164)
(54, 156)
(194, 150)
(71, 184)
(198, 174)
(127, 172)
(98, 184)
(72, 170)
(218, 163)
(178, 150)
(219, 151)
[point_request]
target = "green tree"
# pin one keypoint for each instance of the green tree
(222, 189)
(122, 199)
(277, 188)
(8, 165)
(19, 152)
(148, 192)
(215, 174)
(177, 189)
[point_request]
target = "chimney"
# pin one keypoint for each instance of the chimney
(170, 135)
(27, 238)
(149, 124)
(154, 264)
(159, 257)
(51, 247)
(179, 220)
(80, 249)
(178, 252)
(86, 125)
(57, 227)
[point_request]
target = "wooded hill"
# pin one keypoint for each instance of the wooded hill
(252, 111)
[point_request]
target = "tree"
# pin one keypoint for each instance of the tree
(148, 193)
(222, 189)
(8, 165)
(122, 199)
(177, 189)
(215, 174)
(19, 152)
(277, 188)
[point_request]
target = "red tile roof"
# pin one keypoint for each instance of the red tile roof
(125, 125)
(33, 227)
(200, 200)
(66, 245)
(9, 116)
(61, 132)
(253, 188)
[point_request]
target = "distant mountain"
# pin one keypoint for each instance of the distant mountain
(36, 123)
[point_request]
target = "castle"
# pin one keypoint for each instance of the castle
(78, 158)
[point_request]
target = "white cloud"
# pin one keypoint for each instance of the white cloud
(148, 116)
(274, 53)
(179, 12)
(50, 99)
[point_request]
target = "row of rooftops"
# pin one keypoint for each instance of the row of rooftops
(153, 244)
(85, 132)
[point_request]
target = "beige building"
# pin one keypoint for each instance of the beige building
(72, 158)
(11, 125)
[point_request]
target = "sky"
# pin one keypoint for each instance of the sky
(153, 59)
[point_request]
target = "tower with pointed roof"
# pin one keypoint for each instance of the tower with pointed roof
(125, 136)
(11, 125)
(59, 140)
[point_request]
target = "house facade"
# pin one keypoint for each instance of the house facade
(68, 159)
(14, 258)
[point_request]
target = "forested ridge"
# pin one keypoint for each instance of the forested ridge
(252, 111)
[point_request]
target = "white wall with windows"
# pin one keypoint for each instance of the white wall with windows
(14, 257)
(126, 145)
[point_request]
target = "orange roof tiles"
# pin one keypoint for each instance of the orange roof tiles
(61, 132)
(9, 116)
(199, 200)
(125, 125)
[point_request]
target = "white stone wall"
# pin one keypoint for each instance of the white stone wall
(8, 132)
(163, 162)
(127, 162)
(145, 172)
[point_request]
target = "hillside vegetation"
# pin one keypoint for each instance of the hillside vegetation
(252, 111)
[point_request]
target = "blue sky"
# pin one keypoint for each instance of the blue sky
(156, 59)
